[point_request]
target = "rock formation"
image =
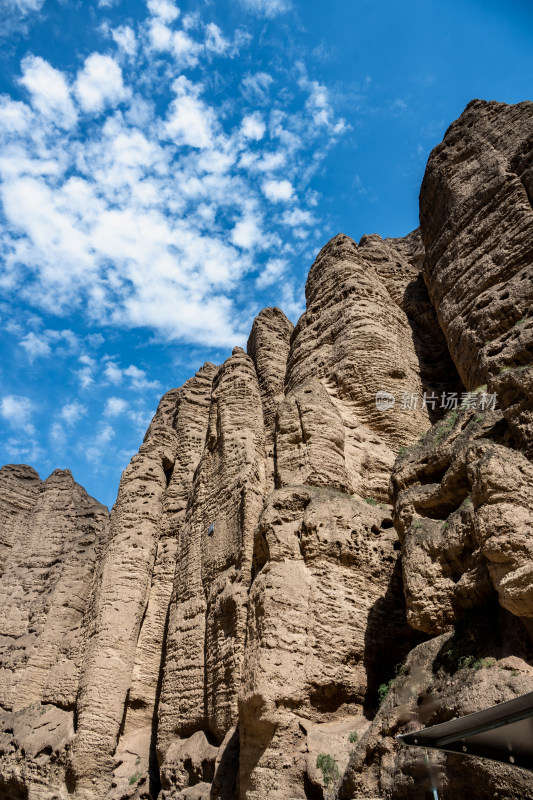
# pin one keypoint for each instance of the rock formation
(285, 551)
(53, 535)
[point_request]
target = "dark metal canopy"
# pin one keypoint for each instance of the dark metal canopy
(501, 733)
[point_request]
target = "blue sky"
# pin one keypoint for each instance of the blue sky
(168, 169)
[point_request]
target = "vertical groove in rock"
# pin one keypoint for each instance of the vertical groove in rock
(187, 414)
(268, 347)
(120, 603)
(208, 608)
(398, 263)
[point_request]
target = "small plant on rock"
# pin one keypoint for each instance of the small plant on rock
(383, 691)
(134, 778)
(328, 767)
(353, 737)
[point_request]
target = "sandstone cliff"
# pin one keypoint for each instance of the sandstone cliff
(283, 551)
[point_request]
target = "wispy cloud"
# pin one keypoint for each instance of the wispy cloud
(17, 411)
(267, 8)
(24, 6)
(73, 412)
(115, 406)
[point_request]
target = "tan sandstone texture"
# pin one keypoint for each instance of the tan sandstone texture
(53, 536)
(291, 574)
(476, 218)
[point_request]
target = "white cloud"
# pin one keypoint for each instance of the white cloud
(43, 344)
(99, 83)
(399, 103)
(270, 162)
(297, 217)
(185, 50)
(125, 39)
(115, 406)
(112, 373)
(253, 126)
(17, 411)
(96, 449)
(247, 232)
(24, 6)
(35, 346)
(267, 8)
(293, 304)
(190, 121)
(73, 412)
(160, 35)
(214, 41)
(277, 191)
(255, 88)
(15, 117)
(86, 372)
(164, 9)
(25, 450)
(50, 94)
(58, 436)
(138, 379)
(319, 105)
(272, 272)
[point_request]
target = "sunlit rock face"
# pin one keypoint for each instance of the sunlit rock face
(285, 554)
(476, 218)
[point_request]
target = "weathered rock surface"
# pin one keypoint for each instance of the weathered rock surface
(53, 534)
(356, 341)
(325, 616)
(207, 618)
(464, 513)
(254, 592)
(476, 218)
(132, 594)
(268, 347)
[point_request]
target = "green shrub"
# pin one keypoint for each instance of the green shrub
(371, 501)
(485, 663)
(353, 737)
(383, 691)
(471, 662)
(329, 768)
(466, 662)
(447, 424)
(134, 778)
